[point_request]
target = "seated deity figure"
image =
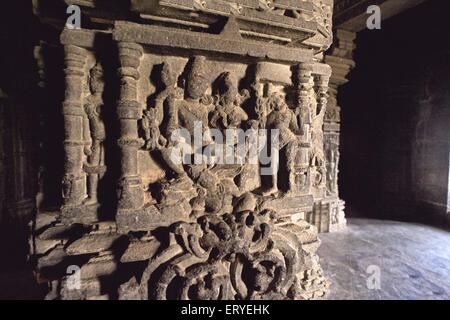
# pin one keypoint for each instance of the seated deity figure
(188, 113)
(283, 119)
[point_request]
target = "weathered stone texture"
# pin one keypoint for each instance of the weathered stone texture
(193, 231)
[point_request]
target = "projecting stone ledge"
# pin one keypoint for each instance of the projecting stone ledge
(182, 39)
(149, 218)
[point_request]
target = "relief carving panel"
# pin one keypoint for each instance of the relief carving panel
(193, 216)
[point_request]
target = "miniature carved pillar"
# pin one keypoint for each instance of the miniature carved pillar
(341, 62)
(131, 194)
(303, 102)
(74, 181)
(322, 92)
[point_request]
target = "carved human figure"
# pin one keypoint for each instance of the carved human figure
(318, 168)
(332, 163)
(150, 124)
(94, 133)
(153, 116)
(301, 166)
(228, 112)
(189, 112)
(249, 179)
(319, 108)
(283, 119)
(305, 111)
(195, 107)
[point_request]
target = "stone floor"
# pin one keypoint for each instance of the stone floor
(413, 261)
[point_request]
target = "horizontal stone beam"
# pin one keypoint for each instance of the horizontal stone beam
(182, 39)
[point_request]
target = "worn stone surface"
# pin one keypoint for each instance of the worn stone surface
(414, 261)
(182, 230)
(328, 213)
(140, 226)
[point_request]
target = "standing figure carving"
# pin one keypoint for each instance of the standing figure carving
(153, 116)
(94, 134)
(283, 119)
(332, 153)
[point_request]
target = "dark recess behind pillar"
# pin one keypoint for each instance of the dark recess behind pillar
(396, 118)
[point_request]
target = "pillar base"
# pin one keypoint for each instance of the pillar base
(85, 214)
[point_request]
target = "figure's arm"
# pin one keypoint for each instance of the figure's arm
(86, 130)
(159, 110)
(294, 125)
(242, 114)
(145, 126)
(165, 95)
(172, 117)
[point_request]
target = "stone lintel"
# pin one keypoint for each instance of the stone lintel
(81, 37)
(287, 206)
(182, 39)
(248, 12)
(321, 69)
(331, 127)
(146, 219)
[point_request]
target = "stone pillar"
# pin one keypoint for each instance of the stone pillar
(194, 235)
(74, 181)
(341, 62)
(131, 194)
(321, 90)
(340, 58)
(305, 82)
(40, 89)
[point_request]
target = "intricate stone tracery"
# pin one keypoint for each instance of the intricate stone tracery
(195, 230)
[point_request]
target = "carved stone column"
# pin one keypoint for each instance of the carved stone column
(305, 84)
(74, 180)
(341, 62)
(129, 111)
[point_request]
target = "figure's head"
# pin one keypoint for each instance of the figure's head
(150, 113)
(229, 87)
(96, 83)
(168, 78)
(277, 102)
(90, 110)
(196, 82)
(253, 124)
